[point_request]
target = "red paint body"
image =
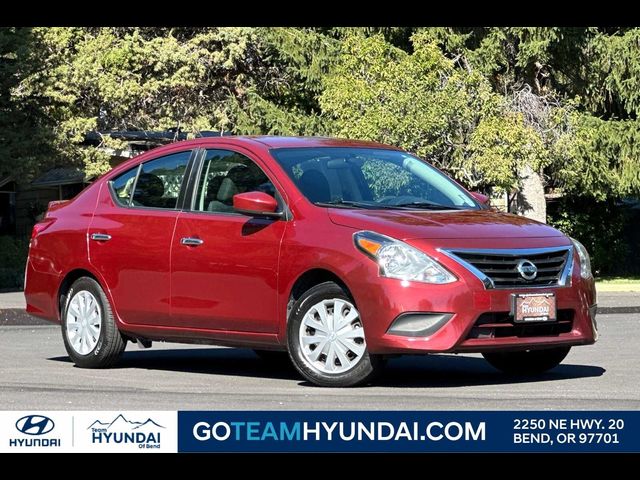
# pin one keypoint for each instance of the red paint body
(234, 288)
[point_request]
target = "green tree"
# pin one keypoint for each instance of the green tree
(603, 158)
(503, 137)
(438, 109)
(243, 80)
(590, 78)
(577, 88)
(25, 139)
(512, 108)
(421, 101)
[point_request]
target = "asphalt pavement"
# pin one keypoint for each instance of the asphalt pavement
(35, 372)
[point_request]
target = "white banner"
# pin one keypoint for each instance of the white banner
(111, 431)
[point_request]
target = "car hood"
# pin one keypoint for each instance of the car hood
(407, 224)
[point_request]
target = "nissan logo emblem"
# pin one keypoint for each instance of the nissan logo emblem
(527, 269)
(35, 425)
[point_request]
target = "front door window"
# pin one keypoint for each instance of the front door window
(225, 174)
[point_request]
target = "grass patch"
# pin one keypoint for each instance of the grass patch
(618, 284)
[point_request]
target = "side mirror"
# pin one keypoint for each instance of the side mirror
(256, 204)
(481, 198)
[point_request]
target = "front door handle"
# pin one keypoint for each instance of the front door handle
(100, 237)
(191, 242)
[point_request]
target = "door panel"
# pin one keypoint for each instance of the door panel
(135, 261)
(130, 238)
(225, 276)
(229, 282)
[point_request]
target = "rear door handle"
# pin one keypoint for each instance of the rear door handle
(191, 242)
(100, 237)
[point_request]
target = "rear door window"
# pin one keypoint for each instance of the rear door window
(159, 183)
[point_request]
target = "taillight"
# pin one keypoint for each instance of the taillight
(37, 229)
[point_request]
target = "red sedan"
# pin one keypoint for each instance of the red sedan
(339, 252)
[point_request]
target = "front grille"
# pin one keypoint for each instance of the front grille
(501, 325)
(501, 267)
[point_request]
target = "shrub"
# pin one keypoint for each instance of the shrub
(13, 257)
(600, 227)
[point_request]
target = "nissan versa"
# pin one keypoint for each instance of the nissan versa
(341, 252)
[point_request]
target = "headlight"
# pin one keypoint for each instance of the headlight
(585, 261)
(399, 260)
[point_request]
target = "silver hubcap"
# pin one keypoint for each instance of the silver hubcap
(84, 322)
(331, 336)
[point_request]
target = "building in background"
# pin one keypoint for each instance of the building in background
(22, 203)
(7, 205)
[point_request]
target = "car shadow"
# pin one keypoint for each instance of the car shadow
(212, 361)
(463, 371)
(415, 371)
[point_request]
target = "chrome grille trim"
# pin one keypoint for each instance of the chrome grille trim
(563, 278)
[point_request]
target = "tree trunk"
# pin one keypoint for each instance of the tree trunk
(530, 200)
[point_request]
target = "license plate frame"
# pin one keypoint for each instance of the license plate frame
(534, 308)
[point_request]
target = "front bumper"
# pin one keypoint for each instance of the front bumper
(382, 300)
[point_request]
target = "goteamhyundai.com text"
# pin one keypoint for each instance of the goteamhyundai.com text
(346, 431)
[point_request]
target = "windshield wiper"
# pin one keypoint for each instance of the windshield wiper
(355, 204)
(380, 206)
(427, 205)
(345, 204)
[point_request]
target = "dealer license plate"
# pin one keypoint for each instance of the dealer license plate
(534, 307)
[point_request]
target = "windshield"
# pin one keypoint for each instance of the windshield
(370, 178)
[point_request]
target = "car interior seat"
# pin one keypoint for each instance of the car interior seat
(315, 186)
(149, 192)
(232, 184)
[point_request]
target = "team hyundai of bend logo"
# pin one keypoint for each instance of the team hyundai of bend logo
(121, 430)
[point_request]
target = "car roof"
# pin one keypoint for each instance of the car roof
(261, 141)
(272, 141)
(288, 142)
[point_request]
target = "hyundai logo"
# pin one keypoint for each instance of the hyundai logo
(35, 425)
(527, 269)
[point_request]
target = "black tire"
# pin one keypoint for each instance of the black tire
(274, 357)
(365, 369)
(110, 343)
(530, 362)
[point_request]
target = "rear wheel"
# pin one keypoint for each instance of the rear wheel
(89, 331)
(326, 339)
(527, 362)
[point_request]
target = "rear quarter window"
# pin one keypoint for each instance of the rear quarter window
(123, 186)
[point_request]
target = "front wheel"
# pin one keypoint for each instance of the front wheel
(326, 339)
(89, 331)
(530, 362)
